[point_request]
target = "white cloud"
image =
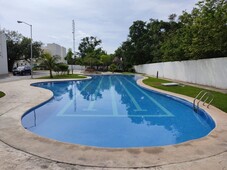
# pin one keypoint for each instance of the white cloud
(161, 9)
(80, 34)
(53, 37)
(108, 20)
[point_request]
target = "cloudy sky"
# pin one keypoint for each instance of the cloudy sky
(109, 20)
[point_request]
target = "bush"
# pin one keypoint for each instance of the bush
(131, 69)
(113, 67)
(61, 67)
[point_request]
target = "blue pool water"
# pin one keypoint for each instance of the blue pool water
(113, 111)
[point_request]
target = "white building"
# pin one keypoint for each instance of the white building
(18, 63)
(55, 49)
(3, 54)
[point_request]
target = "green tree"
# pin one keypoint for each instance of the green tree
(18, 48)
(137, 39)
(70, 58)
(144, 42)
(125, 52)
(89, 45)
(199, 34)
(79, 61)
(25, 46)
(209, 29)
(202, 33)
(49, 62)
(106, 60)
(90, 51)
(14, 51)
(113, 67)
(91, 60)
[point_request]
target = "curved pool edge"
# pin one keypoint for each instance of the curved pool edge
(179, 97)
(13, 134)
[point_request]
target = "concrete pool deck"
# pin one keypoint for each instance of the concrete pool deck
(209, 152)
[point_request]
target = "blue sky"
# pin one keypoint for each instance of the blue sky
(109, 20)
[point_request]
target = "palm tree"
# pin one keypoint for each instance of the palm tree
(49, 61)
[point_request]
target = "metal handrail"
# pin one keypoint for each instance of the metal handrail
(210, 100)
(201, 98)
(205, 94)
(197, 98)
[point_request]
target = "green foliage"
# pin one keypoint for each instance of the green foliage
(91, 54)
(113, 67)
(196, 35)
(48, 61)
(203, 33)
(219, 98)
(2, 94)
(90, 60)
(131, 70)
(106, 60)
(70, 57)
(61, 68)
(18, 48)
(89, 45)
(79, 61)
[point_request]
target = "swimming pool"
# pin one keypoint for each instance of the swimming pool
(113, 111)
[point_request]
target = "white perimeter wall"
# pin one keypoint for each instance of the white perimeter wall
(76, 67)
(209, 72)
(3, 55)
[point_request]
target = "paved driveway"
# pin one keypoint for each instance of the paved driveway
(10, 77)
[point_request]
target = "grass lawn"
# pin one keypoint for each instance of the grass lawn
(220, 99)
(2, 94)
(65, 76)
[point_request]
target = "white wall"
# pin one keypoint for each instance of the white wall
(18, 63)
(77, 67)
(3, 55)
(209, 72)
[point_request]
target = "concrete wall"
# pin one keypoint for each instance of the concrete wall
(209, 72)
(3, 55)
(77, 67)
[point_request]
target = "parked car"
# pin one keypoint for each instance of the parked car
(22, 70)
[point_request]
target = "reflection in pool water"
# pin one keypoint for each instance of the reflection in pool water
(113, 111)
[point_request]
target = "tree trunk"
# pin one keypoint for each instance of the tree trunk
(51, 76)
(72, 68)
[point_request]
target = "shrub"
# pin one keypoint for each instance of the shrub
(61, 67)
(113, 67)
(131, 69)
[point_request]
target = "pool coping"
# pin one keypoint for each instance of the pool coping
(16, 103)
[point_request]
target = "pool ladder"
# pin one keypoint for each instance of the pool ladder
(209, 97)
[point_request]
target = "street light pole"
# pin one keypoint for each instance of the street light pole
(31, 63)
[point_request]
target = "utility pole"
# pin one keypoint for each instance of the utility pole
(73, 31)
(73, 38)
(31, 63)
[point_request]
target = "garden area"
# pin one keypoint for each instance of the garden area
(191, 91)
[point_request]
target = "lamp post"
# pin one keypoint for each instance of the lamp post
(31, 63)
